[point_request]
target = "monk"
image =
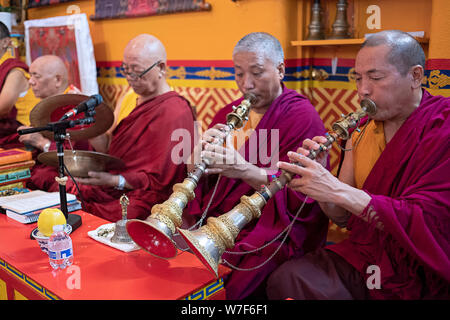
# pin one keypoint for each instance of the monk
(48, 77)
(13, 83)
(279, 121)
(392, 193)
(143, 140)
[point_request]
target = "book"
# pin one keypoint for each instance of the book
(13, 191)
(33, 216)
(14, 155)
(19, 185)
(33, 200)
(11, 184)
(17, 166)
(14, 176)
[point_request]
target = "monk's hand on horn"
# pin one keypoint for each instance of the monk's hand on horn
(314, 144)
(215, 135)
(225, 160)
(313, 179)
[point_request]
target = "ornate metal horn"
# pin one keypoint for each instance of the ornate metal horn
(210, 241)
(155, 233)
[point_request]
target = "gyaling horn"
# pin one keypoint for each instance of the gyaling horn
(211, 240)
(155, 234)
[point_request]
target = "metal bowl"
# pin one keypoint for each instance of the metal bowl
(79, 162)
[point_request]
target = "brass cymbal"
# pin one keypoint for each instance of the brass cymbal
(80, 162)
(51, 109)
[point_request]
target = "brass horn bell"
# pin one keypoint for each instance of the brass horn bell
(155, 234)
(212, 239)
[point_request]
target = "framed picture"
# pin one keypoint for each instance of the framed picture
(69, 38)
(42, 3)
(113, 9)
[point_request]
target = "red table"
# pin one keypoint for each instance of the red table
(98, 271)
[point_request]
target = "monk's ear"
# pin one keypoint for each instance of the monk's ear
(417, 74)
(58, 79)
(281, 70)
(162, 68)
(5, 43)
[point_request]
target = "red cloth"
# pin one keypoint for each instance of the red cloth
(8, 125)
(143, 141)
(296, 119)
(410, 190)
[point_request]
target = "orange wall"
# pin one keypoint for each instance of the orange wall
(212, 35)
(192, 35)
(440, 28)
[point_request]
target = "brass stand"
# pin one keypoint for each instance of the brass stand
(340, 25)
(316, 29)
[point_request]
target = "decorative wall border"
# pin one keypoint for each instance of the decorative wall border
(30, 283)
(208, 291)
(437, 73)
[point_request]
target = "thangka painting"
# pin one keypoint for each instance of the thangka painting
(111, 9)
(41, 3)
(67, 37)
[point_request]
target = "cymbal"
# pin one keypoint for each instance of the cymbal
(80, 162)
(51, 109)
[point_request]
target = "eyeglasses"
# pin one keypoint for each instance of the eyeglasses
(135, 76)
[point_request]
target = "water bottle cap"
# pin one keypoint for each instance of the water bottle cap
(58, 228)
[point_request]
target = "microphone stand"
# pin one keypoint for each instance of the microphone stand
(59, 130)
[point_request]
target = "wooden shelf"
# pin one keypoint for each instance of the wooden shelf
(337, 42)
(327, 42)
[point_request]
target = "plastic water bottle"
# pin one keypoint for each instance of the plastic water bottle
(60, 250)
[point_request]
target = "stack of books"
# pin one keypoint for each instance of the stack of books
(26, 207)
(15, 165)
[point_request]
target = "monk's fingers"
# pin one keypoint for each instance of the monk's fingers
(319, 139)
(214, 135)
(296, 183)
(309, 144)
(97, 178)
(302, 151)
(215, 148)
(213, 170)
(211, 157)
(222, 127)
(301, 159)
(290, 167)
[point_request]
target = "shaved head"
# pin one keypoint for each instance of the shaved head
(144, 65)
(147, 47)
(49, 76)
(405, 51)
(53, 65)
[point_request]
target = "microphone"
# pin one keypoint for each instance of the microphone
(90, 103)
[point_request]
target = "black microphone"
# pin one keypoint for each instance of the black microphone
(92, 102)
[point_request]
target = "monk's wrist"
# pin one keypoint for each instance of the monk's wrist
(352, 199)
(255, 176)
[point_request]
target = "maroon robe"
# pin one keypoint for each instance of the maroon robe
(296, 119)
(410, 190)
(143, 141)
(9, 124)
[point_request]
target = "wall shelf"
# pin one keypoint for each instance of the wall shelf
(327, 42)
(337, 42)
